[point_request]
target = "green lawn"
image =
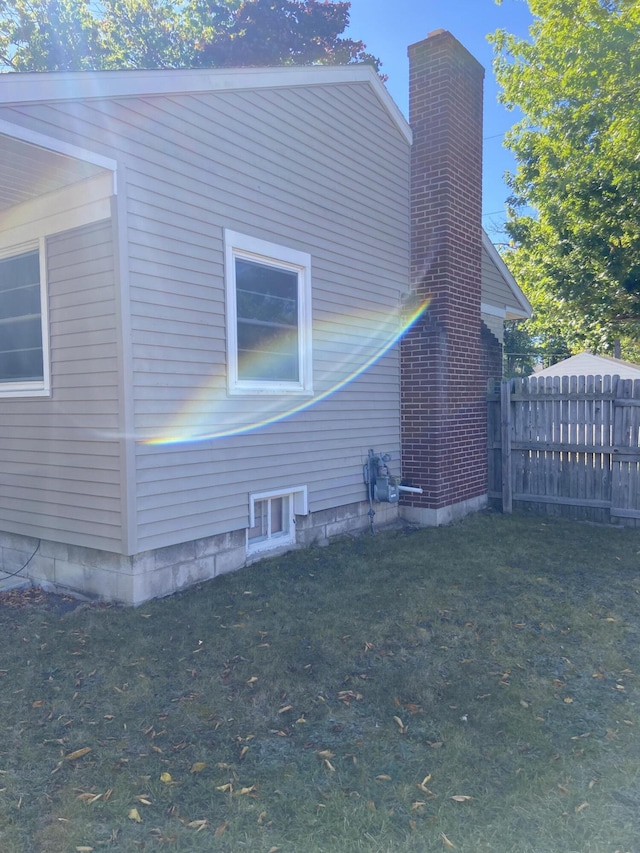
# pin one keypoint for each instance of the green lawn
(473, 687)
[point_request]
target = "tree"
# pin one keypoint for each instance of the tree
(574, 212)
(54, 35)
(49, 35)
(285, 33)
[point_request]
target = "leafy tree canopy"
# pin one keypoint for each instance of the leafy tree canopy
(574, 213)
(55, 35)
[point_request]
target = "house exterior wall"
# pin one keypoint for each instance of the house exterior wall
(321, 170)
(60, 455)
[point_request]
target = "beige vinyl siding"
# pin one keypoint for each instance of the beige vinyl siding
(319, 169)
(60, 455)
(496, 293)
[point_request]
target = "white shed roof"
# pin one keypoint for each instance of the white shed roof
(588, 364)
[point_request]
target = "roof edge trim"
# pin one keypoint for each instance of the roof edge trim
(495, 256)
(16, 131)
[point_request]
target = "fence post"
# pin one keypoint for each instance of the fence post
(505, 429)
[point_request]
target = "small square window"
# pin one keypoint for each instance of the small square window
(268, 317)
(272, 518)
(23, 326)
(273, 524)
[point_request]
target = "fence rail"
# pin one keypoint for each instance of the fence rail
(566, 446)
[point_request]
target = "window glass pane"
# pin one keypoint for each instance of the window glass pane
(260, 528)
(267, 317)
(20, 319)
(279, 513)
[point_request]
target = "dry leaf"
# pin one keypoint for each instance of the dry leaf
(198, 767)
(567, 700)
(325, 753)
(329, 765)
(225, 788)
(166, 778)
(461, 798)
(383, 777)
(448, 844)
(248, 790)
(436, 744)
(134, 814)
(142, 798)
(582, 807)
(84, 849)
(89, 797)
(285, 708)
(274, 849)
(220, 829)
(77, 754)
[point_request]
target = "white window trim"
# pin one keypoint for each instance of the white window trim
(41, 388)
(262, 251)
(298, 505)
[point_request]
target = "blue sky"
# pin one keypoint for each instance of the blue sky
(388, 26)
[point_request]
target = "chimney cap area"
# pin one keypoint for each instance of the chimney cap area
(436, 32)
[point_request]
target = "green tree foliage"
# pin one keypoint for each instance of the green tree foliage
(54, 35)
(49, 35)
(574, 214)
(288, 32)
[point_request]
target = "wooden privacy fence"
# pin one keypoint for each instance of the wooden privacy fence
(566, 446)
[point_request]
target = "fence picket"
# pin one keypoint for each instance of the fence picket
(568, 446)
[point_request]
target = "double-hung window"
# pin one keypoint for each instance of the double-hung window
(268, 316)
(24, 368)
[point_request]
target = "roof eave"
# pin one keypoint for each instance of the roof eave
(55, 86)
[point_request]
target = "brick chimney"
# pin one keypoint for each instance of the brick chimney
(444, 439)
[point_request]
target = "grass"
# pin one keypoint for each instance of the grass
(473, 688)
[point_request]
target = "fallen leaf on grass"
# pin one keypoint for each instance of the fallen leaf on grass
(84, 849)
(448, 844)
(274, 849)
(134, 814)
(403, 729)
(199, 825)
(143, 798)
(72, 756)
(166, 778)
(198, 767)
(461, 798)
(222, 828)
(582, 807)
(383, 777)
(89, 797)
(435, 744)
(325, 753)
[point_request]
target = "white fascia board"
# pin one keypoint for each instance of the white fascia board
(524, 309)
(50, 143)
(493, 310)
(38, 87)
